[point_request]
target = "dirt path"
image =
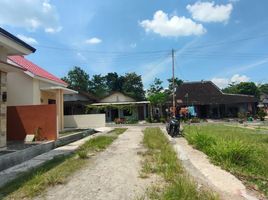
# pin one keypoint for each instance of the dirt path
(113, 174)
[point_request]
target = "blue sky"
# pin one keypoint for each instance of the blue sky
(224, 41)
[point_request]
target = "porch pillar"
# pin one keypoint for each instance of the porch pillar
(3, 112)
(144, 111)
(59, 104)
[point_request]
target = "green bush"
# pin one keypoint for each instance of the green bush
(261, 114)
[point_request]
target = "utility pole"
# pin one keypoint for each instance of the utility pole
(173, 83)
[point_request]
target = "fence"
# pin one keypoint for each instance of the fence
(84, 121)
(38, 120)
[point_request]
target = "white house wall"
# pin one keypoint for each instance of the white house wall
(20, 89)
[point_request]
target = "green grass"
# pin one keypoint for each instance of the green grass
(160, 158)
(243, 152)
(56, 171)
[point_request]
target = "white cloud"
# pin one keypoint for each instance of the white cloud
(209, 12)
(53, 30)
(220, 82)
(224, 82)
(174, 26)
(239, 78)
(93, 40)
(28, 40)
(29, 14)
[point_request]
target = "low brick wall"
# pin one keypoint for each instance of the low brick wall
(84, 121)
(29, 120)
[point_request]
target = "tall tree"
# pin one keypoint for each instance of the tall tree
(133, 86)
(155, 87)
(77, 79)
(177, 82)
(114, 81)
(264, 88)
(98, 85)
(248, 88)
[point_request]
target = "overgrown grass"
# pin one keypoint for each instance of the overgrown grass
(161, 159)
(56, 171)
(241, 151)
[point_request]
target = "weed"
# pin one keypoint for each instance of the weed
(162, 159)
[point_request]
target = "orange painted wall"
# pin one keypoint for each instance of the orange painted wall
(26, 120)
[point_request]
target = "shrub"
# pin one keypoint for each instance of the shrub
(261, 114)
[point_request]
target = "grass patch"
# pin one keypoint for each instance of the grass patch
(56, 171)
(161, 159)
(243, 152)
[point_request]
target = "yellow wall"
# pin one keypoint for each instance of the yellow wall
(45, 96)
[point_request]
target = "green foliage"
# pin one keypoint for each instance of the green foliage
(98, 85)
(264, 88)
(114, 82)
(129, 84)
(261, 114)
(78, 79)
(242, 151)
(155, 87)
(158, 98)
(160, 158)
(133, 86)
(248, 88)
(177, 81)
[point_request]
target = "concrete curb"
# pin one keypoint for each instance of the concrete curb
(13, 172)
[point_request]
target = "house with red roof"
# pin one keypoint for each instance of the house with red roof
(36, 87)
(9, 46)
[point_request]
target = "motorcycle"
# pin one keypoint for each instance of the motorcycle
(173, 127)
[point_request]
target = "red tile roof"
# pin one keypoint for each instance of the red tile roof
(33, 68)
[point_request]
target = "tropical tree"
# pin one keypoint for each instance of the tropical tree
(133, 86)
(248, 88)
(98, 85)
(77, 79)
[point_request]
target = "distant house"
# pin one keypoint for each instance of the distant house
(35, 86)
(76, 104)
(210, 102)
(264, 102)
(118, 105)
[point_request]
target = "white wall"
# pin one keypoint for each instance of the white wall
(20, 89)
(84, 121)
(117, 97)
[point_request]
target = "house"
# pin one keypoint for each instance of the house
(210, 102)
(119, 105)
(9, 46)
(35, 86)
(76, 104)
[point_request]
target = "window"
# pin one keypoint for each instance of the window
(51, 101)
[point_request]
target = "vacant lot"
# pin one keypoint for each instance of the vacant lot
(241, 151)
(161, 159)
